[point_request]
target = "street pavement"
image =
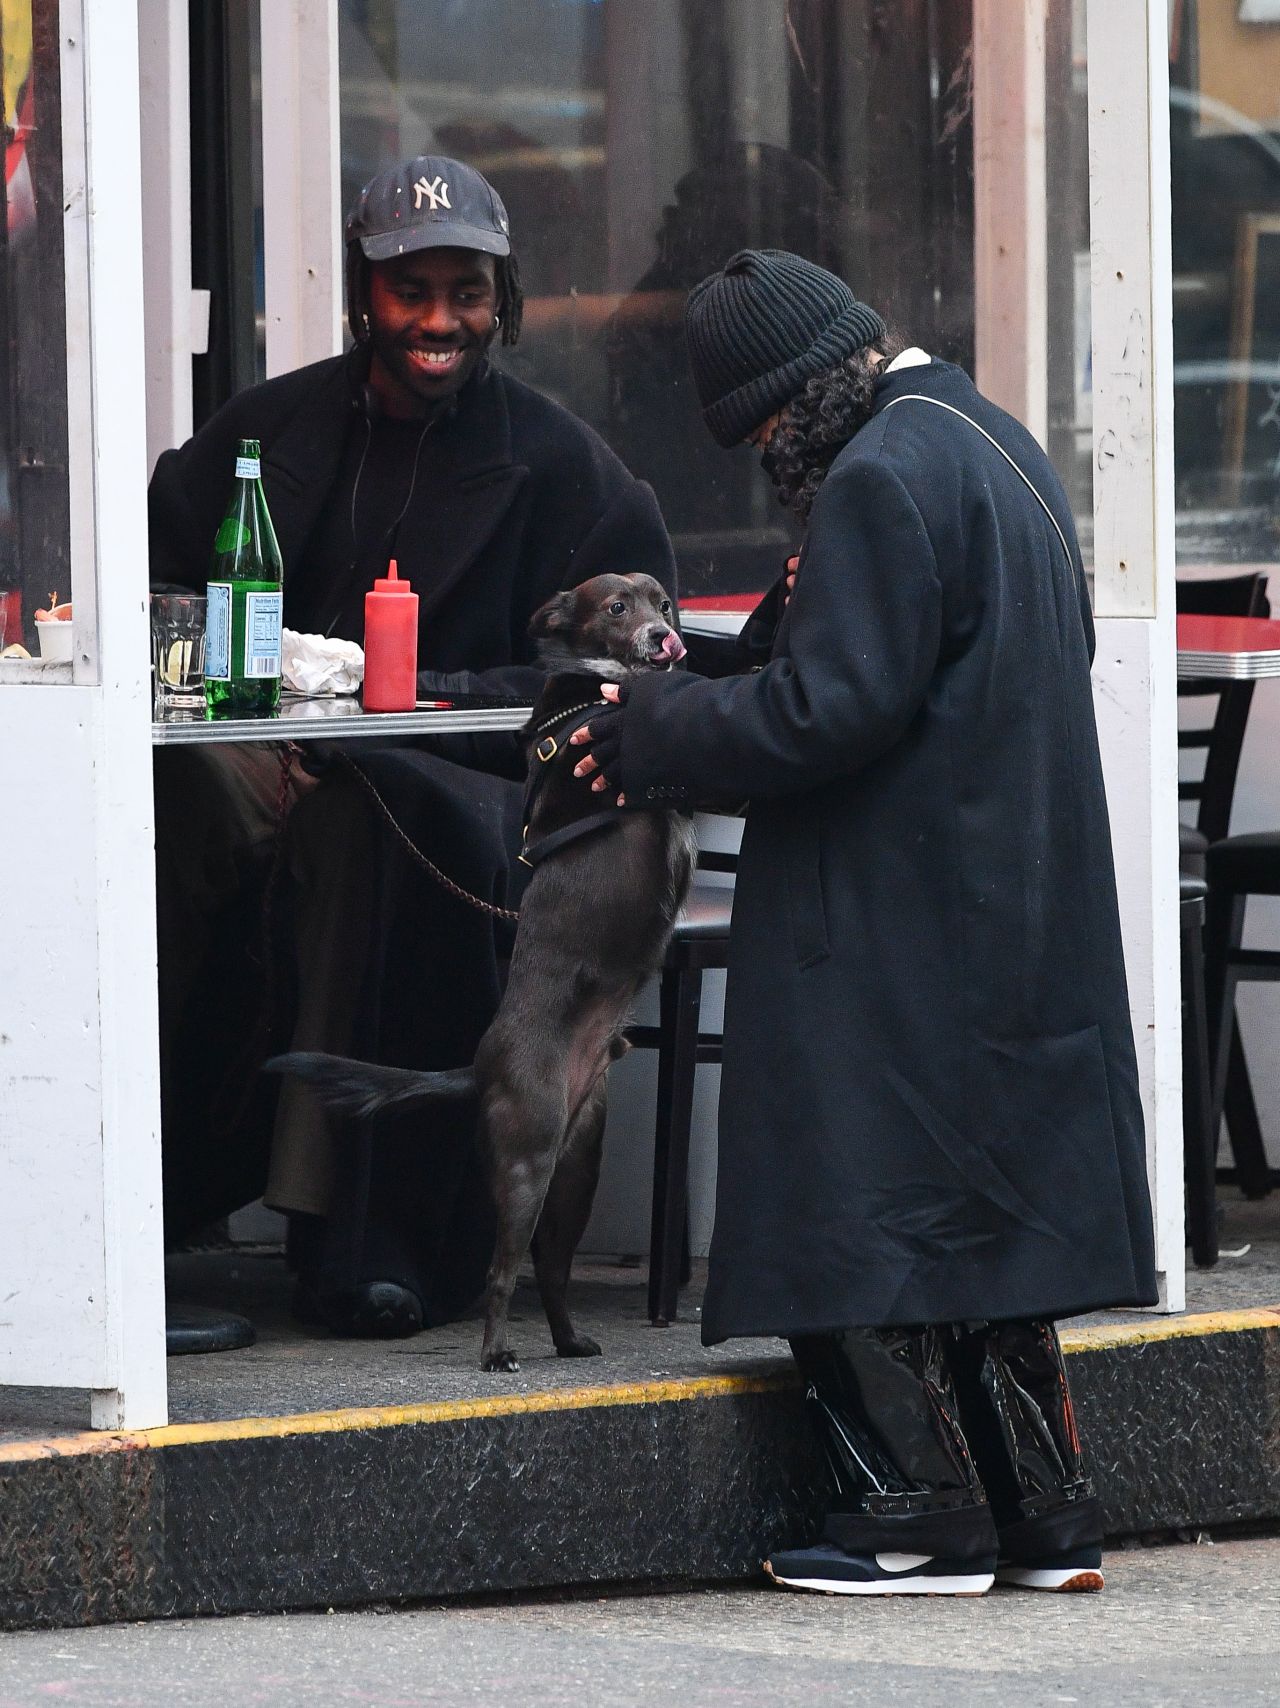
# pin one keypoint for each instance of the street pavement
(1193, 1623)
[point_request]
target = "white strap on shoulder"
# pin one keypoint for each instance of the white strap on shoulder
(919, 397)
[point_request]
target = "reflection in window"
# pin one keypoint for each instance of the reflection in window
(1225, 148)
(34, 556)
(637, 146)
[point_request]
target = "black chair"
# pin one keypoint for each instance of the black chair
(1200, 1135)
(1221, 742)
(700, 942)
(1238, 867)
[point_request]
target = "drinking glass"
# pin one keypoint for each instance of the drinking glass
(177, 650)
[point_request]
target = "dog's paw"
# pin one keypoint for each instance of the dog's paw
(504, 1362)
(581, 1346)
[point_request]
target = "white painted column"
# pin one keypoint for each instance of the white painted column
(1135, 672)
(164, 79)
(81, 1266)
(302, 219)
(1010, 243)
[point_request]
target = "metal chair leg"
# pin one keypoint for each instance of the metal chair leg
(1199, 1132)
(1232, 1093)
(1253, 1172)
(680, 1000)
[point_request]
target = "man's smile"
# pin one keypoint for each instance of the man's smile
(437, 363)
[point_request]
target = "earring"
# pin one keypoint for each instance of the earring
(497, 321)
(364, 319)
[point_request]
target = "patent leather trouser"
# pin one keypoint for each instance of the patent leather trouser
(955, 1440)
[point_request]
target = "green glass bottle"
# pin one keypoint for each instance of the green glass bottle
(246, 602)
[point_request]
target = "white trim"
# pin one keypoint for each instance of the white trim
(165, 74)
(1135, 671)
(133, 1393)
(1010, 237)
(302, 221)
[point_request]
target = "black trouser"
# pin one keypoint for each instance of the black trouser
(956, 1440)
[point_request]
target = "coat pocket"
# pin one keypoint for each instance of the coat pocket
(805, 902)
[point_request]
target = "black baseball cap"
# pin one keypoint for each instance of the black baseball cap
(428, 203)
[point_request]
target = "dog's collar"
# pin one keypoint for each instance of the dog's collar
(548, 746)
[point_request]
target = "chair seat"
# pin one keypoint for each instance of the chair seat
(1192, 848)
(1246, 865)
(706, 912)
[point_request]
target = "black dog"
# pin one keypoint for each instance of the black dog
(594, 925)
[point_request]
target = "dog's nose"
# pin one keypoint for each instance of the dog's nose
(673, 647)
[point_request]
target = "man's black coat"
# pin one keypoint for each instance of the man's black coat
(930, 1106)
(517, 499)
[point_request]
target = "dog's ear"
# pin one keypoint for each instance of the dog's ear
(553, 617)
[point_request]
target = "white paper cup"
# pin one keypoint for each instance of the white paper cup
(55, 640)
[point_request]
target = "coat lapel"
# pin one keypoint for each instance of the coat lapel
(300, 467)
(478, 483)
(458, 511)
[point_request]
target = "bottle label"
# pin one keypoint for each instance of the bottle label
(263, 613)
(217, 632)
(248, 468)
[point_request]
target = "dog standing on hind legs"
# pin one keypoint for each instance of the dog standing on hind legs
(595, 922)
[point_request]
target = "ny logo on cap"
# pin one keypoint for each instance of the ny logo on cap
(437, 190)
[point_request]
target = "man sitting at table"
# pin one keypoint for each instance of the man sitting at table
(492, 498)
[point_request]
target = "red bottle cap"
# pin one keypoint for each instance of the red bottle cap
(391, 582)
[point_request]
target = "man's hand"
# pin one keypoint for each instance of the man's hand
(604, 736)
(793, 564)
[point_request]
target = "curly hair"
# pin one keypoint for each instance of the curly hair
(506, 278)
(820, 421)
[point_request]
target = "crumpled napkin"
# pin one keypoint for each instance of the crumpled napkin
(316, 664)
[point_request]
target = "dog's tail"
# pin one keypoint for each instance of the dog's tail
(363, 1088)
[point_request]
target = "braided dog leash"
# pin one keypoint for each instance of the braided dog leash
(415, 853)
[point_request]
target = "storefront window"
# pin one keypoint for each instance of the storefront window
(637, 146)
(1225, 146)
(35, 573)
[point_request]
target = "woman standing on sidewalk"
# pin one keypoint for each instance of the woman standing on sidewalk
(931, 1141)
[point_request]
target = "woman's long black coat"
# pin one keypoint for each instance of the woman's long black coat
(929, 1109)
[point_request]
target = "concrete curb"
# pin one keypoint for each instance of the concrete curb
(683, 1479)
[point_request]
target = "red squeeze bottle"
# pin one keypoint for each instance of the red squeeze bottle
(390, 645)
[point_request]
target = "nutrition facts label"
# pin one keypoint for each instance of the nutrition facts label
(262, 620)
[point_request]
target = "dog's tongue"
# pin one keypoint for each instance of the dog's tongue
(673, 647)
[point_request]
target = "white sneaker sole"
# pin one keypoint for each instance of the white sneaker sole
(1062, 1579)
(976, 1583)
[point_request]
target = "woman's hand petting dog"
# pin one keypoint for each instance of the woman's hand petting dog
(604, 734)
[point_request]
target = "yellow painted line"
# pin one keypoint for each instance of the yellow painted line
(1096, 1335)
(390, 1417)
(1088, 1339)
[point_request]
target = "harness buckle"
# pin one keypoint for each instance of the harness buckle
(547, 748)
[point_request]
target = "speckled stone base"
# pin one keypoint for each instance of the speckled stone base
(693, 1478)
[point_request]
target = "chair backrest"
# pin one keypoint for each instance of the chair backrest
(1223, 739)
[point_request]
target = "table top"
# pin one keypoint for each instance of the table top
(1242, 649)
(332, 718)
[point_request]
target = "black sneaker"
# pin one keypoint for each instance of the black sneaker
(831, 1571)
(373, 1310)
(1076, 1569)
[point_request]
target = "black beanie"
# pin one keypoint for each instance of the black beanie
(760, 327)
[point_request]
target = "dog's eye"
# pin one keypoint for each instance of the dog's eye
(665, 607)
(618, 607)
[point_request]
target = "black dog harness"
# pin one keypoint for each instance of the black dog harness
(554, 733)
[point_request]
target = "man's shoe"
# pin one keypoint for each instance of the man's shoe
(1076, 1569)
(374, 1310)
(831, 1571)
